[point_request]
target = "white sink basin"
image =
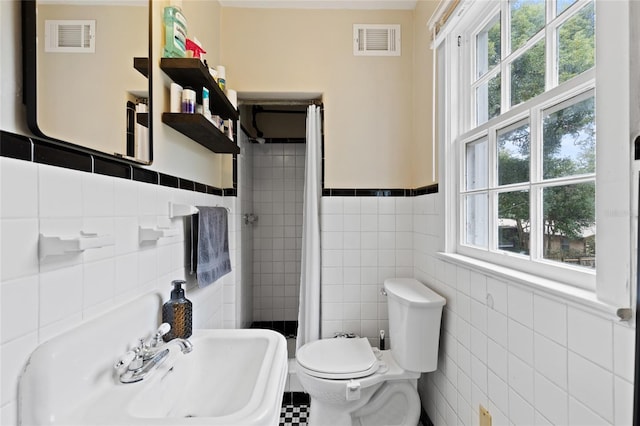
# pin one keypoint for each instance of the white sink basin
(231, 377)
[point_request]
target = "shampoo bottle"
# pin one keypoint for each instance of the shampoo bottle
(177, 312)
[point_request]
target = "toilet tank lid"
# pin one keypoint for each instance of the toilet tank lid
(410, 291)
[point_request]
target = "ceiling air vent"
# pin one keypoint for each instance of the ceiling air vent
(376, 40)
(70, 36)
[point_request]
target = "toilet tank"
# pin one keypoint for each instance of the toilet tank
(415, 312)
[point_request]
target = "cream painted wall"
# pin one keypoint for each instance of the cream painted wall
(423, 147)
(367, 100)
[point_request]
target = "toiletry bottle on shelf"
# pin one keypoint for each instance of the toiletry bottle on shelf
(175, 32)
(177, 312)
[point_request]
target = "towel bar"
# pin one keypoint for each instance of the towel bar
(178, 210)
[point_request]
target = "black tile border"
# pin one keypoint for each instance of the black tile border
(14, 146)
(170, 181)
(39, 151)
(365, 192)
(296, 398)
(146, 176)
(286, 328)
(112, 168)
(187, 184)
(53, 155)
(35, 150)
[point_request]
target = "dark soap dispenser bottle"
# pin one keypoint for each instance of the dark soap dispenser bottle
(177, 312)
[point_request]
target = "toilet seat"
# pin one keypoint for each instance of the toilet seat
(338, 358)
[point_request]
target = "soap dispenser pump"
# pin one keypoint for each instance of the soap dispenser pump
(177, 312)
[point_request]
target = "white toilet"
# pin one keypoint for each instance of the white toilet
(351, 383)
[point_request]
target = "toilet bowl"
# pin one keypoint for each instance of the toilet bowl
(351, 383)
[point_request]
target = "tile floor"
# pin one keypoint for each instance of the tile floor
(291, 414)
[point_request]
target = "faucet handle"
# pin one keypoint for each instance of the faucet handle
(125, 359)
(162, 330)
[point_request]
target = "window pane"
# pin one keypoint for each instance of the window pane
(476, 165)
(570, 224)
(569, 146)
(562, 5)
(488, 47)
(513, 155)
(527, 18)
(576, 44)
(476, 214)
(527, 74)
(488, 99)
(514, 226)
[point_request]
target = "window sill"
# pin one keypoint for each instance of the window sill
(566, 292)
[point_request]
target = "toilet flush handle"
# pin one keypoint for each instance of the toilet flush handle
(383, 292)
(353, 390)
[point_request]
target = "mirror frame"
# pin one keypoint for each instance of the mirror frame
(29, 78)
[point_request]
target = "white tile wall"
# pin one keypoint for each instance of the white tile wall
(41, 299)
(364, 241)
(530, 357)
(547, 361)
(278, 188)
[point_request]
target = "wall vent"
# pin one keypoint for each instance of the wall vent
(64, 36)
(376, 40)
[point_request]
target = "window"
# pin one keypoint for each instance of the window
(528, 150)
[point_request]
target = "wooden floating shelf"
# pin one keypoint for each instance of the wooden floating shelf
(142, 118)
(192, 72)
(201, 130)
(142, 65)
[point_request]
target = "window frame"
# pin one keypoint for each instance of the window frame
(610, 80)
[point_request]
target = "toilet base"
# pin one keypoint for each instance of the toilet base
(393, 403)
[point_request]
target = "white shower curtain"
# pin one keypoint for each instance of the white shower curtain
(309, 307)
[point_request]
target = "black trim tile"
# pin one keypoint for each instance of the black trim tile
(25, 148)
(300, 398)
(187, 184)
(380, 192)
(285, 140)
(144, 175)
(15, 146)
(338, 192)
(168, 180)
(234, 172)
(213, 190)
(291, 328)
(201, 187)
(111, 168)
(424, 190)
(391, 192)
(55, 155)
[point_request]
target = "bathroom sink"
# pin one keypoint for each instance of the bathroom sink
(231, 377)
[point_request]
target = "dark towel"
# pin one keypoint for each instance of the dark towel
(213, 245)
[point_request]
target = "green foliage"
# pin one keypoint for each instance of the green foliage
(576, 42)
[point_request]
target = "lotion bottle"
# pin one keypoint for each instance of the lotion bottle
(177, 312)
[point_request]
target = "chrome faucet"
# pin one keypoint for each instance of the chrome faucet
(144, 358)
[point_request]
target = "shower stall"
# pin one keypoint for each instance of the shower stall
(272, 176)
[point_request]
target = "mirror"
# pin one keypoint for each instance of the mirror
(87, 82)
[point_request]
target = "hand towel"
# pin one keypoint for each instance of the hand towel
(213, 245)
